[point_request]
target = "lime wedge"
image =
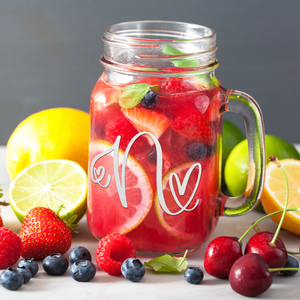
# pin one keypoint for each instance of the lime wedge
(50, 183)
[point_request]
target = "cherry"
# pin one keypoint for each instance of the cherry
(260, 243)
(249, 275)
(220, 255)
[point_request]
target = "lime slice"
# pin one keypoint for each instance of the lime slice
(105, 212)
(50, 183)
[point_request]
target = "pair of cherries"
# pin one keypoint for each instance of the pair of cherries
(248, 274)
(265, 254)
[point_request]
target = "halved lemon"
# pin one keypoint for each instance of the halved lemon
(49, 183)
(274, 193)
(107, 211)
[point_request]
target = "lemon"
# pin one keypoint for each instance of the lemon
(231, 136)
(49, 183)
(56, 133)
(236, 167)
(274, 194)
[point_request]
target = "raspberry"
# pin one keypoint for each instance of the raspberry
(1, 222)
(10, 248)
(112, 250)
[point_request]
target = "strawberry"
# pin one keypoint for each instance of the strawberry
(145, 120)
(119, 125)
(194, 125)
(43, 232)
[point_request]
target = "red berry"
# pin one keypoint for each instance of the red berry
(275, 256)
(43, 233)
(145, 120)
(220, 255)
(1, 222)
(119, 125)
(193, 125)
(10, 248)
(175, 86)
(249, 275)
(112, 250)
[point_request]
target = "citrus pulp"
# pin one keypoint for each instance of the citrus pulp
(274, 193)
(49, 183)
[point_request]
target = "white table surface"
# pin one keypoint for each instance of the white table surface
(153, 285)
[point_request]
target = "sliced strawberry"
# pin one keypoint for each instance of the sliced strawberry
(118, 125)
(193, 125)
(145, 120)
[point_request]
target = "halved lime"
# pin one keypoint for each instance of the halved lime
(49, 183)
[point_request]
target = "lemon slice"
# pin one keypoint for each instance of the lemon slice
(50, 183)
(274, 194)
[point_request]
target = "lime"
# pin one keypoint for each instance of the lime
(236, 167)
(56, 133)
(105, 210)
(49, 183)
(231, 136)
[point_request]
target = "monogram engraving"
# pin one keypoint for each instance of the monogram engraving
(97, 175)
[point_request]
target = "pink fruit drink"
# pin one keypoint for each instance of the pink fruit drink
(155, 149)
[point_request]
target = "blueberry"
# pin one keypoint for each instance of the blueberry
(83, 270)
(79, 253)
(211, 149)
(152, 157)
(31, 264)
(193, 275)
(290, 263)
(149, 100)
(195, 150)
(26, 273)
(55, 264)
(132, 269)
(11, 279)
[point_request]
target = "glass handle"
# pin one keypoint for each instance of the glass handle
(247, 107)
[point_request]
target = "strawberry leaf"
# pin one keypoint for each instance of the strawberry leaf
(167, 263)
(133, 94)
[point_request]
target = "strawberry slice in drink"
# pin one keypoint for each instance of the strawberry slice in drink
(195, 126)
(145, 120)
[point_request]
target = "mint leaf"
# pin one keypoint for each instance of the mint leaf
(168, 263)
(169, 50)
(133, 94)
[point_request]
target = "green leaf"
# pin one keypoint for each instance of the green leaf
(169, 50)
(168, 263)
(134, 93)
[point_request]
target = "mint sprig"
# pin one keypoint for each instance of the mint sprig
(168, 263)
(169, 50)
(133, 94)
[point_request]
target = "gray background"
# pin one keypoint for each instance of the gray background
(49, 52)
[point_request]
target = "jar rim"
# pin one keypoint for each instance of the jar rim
(135, 32)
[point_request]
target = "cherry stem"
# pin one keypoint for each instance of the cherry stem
(283, 269)
(291, 252)
(274, 159)
(266, 216)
